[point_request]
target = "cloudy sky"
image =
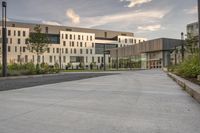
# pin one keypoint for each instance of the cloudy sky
(146, 18)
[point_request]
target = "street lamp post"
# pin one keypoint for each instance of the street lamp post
(104, 57)
(182, 45)
(199, 25)
(4, 40)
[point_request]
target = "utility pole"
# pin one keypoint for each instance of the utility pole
(199, 26)
(104, 57)
(182, 45)
(4, 40)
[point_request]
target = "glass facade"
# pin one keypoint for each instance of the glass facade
(76, 59)
(53, 38)
(99, 48)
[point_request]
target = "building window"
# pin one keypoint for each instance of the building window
(74, 51)
(131, 40)
(81, 51)
(86, 59)
(74, 37)
(24, 33)
(54, 58)
(18, 58)
(135, 41)
(66, 51)
(26, 58)
(33, 58)
(50, 59)
(57, 50)
(46, 30)
(19, 33)
(71, 51)
(62, 50)
(87, 38)
(53, 50)
(64, 59)
(66, 36)
(120, 40)
(81, 44)
(90, 51)
(10, 40)
(90, 38)
(13, 25)
(64, 43)
(85, 44)
(105, 34)
(26, 41)
(9, 33)
(18, 41)
(48, 50)
(125, 40)
(93, 45)
(98, 59)
(77, 44)
(86, 51)
(9, 50)
(79, 37)
(15, 48)
(14, 33)
(24, 49)
(93, 59)
(68, 29)
(62, 36)
(38, 58)
(70, 37)
(102, 59)
(72, 44)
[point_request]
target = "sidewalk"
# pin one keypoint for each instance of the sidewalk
(129, 102)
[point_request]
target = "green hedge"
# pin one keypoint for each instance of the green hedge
(30, 69)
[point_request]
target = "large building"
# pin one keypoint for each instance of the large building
(193, 29)
(68, 44)
(149, 54)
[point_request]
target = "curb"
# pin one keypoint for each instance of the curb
(189, 87)
(30, 76)
(46, 75)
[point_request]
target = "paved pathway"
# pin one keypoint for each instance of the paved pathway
(132, 102)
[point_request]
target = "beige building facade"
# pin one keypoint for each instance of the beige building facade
(68, 44)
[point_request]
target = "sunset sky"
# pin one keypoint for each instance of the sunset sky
(146, 18)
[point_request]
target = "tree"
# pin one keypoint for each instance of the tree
(37, 43)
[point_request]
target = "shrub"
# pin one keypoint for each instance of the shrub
(189, 68)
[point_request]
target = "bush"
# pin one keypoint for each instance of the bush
(189, 68)
(30, 69)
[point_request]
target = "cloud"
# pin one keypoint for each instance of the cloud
(51, 23)
(193, 10)
(150, 27)
(124, 18)
(73, 16)
(133, 3)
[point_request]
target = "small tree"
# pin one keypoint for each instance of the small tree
(37, 43)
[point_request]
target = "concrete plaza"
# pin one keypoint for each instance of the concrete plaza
(130, 102)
